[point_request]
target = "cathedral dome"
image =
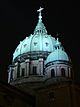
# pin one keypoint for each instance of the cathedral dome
(34, 57)
(33, 43)
(39, 41)
(57, 55)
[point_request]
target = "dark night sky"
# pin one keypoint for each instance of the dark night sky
(19, 18)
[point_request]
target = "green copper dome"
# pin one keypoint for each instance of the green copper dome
(38, 41)
(57, 55)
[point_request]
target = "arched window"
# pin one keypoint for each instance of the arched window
(52, 73)
(23, 72)
(62, 72)
(34, 70)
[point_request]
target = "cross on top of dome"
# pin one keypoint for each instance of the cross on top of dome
(40, 9)
(40, 28)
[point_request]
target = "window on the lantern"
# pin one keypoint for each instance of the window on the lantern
(46, 44)
(25, 45)
(35, 43)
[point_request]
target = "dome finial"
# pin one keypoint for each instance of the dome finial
(57, 36)
(40, 9)
(58, 44)
(40, 28)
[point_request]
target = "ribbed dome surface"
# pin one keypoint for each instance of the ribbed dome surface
(57, 55)
(39, 41)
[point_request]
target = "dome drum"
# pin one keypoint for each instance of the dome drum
(58, 70)
(31, 55)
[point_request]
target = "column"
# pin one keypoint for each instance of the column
(41, 66)
(15, 71)
(27, 67)
(70, 72)
(9, 74)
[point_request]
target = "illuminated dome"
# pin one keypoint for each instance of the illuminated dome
(33, 59)
(57, 55)
(37, 42)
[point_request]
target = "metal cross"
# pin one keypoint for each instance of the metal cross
(40, 9)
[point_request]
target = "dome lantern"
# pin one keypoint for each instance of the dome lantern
(40, 28)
